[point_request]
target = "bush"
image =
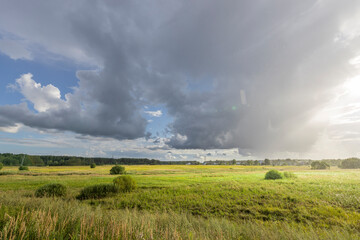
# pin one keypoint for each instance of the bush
(125, 183)
(117, 169)
(289, 175)
(350, 163)
(93, 165)
(316, 165)
(97, 191)
(273, 174)
(51, 190)
(23, 168)
(1, 165)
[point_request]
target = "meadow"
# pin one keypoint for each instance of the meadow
(183, 202)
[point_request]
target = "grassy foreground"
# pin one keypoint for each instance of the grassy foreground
(183, 202)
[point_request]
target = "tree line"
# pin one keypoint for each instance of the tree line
(9, 159)
(350, 163)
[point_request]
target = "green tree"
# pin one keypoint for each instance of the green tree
(74, 162)
(273, 174)
(318, 165)
(35, 161)
(117, 169)
(125, 183)
(249, 162)
(350, 163)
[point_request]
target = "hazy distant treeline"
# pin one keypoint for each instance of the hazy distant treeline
(349, 163)
(9, 159)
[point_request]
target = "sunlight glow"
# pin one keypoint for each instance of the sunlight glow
(352, 86)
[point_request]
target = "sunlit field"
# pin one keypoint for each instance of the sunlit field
(183, 202)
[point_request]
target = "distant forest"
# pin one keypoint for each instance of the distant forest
(9, 159)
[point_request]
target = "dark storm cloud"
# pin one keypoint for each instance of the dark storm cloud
(282, 55)
(232, 74)
(71, 120)
(5, 122)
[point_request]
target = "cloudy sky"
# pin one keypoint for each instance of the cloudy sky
(181, 80)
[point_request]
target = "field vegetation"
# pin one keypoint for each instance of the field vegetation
(182, 202)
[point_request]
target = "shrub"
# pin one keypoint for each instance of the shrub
(51, 190)
(267, 162)
(289, 175)
(125, 183)
(1, 165)
(117, 169)
(97, 191)
(315, 165)
(93, 165)
(23, 168)
(350, 163)
(273, 174)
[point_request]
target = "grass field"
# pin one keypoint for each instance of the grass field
(184, 202)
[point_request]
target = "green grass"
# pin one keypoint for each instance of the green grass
(189, 202)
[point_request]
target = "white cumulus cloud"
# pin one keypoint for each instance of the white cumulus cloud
(157, 113)
(43, 97)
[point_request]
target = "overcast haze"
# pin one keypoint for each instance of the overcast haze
(179, 80)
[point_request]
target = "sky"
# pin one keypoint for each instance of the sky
(181, 80)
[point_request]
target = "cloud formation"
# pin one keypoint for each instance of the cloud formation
(87, 112)
(157, 113)
(42, 97)
(231, 74)
(14, 49)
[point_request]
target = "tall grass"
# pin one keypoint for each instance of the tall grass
(60, 219)
(184, 202)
